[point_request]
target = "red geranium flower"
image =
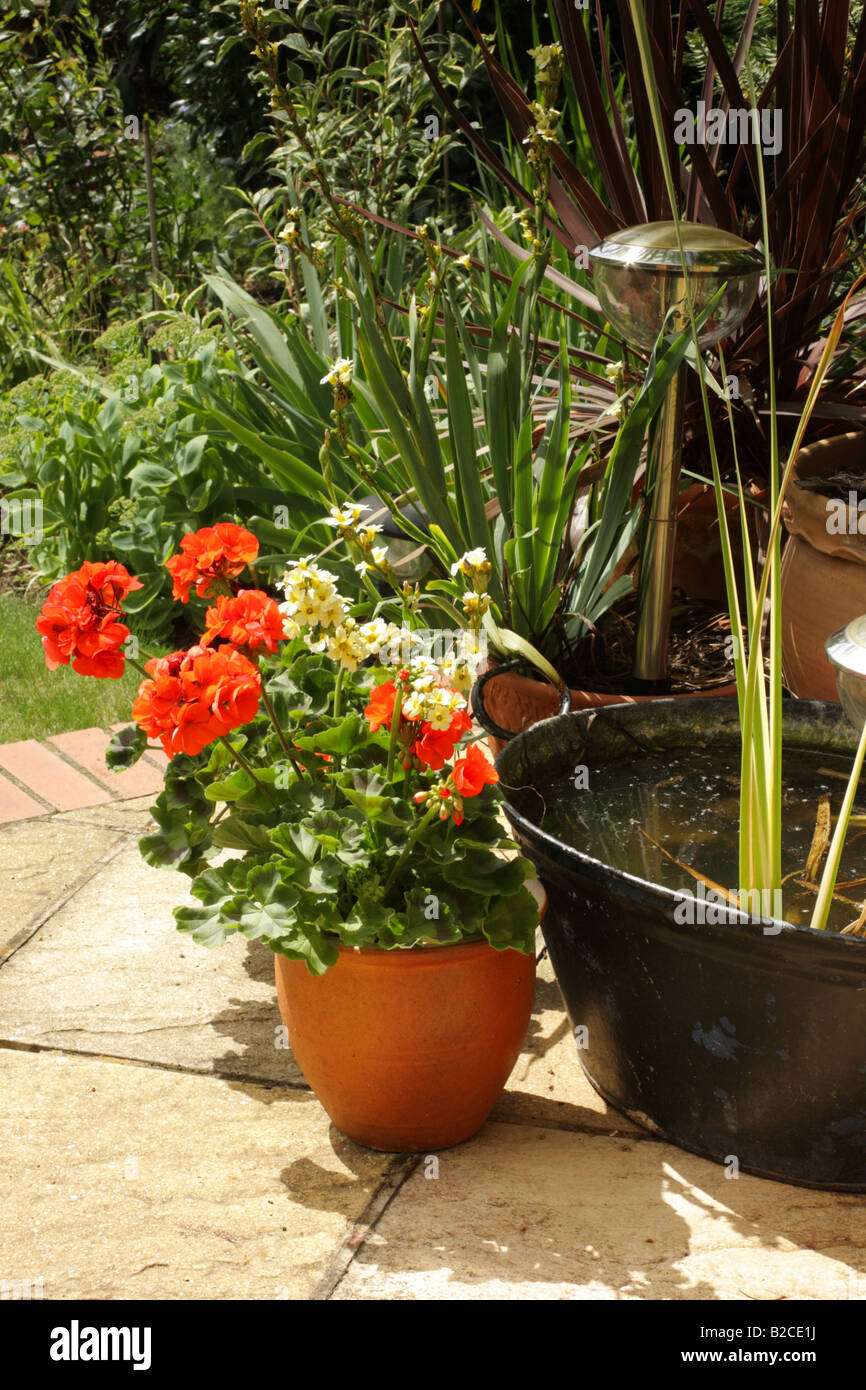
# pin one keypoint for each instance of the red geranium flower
(213, 553)
(195, 696)
(381, 707)
(250, 619)
(434, 747)
(470, 774)
(79, 620)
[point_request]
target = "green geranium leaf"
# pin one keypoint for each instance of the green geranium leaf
(368, 922)
(219, 757)
(367, 793)
(341, 739)
(209, 923)
(238, 832)
(511, 922)
(239, 786)
(268, 906)
(483, 872)
(183, 835)
(125, 748)
(305, 798)
(319, 951)
(342, 835)
(322, 877)
(431, 918)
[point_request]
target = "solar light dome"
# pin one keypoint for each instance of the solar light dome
(637, 275)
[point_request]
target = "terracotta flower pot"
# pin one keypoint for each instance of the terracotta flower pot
(409, 1050)
(698, 569)
(823, 572)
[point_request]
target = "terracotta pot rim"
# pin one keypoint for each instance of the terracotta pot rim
(414, 957)
(804, 513)
(587, 697)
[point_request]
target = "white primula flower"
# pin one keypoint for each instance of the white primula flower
(323, 592)
(332, 612)
(299, 574)
(462, 675)
(376, 634)
(445, 666)
(414, 707)
(475, 558)
(346, 645)
(426, 681)
(427, 701)
(443, 708)
(308, 611)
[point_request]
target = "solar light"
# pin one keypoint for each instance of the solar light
(846, 652)
(638, 277)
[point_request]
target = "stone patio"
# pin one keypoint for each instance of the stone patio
(158, 1143)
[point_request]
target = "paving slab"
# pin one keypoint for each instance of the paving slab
(132, 814)
(547, 1085)
(40, 864)
(110, 974)
(120, 1181)
(523, 1213)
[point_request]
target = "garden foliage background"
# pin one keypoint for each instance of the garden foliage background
(198, 208)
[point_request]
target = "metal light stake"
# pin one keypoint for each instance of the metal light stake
(638, 276)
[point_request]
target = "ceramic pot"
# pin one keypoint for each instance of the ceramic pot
(823, 567)
(409, 1050)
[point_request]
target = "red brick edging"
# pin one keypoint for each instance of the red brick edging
(67, 772)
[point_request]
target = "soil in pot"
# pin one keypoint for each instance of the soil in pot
(736, 1035)
(408, 1051)
(700, 665)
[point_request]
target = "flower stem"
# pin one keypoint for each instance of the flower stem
(409, 846)
(338, 691)
(396, 716)
(284, 742)
(241, 760)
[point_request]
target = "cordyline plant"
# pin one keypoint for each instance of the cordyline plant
(327, 754)
(488, 453)
(816, 95)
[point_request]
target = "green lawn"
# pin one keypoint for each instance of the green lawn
(36, 702)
